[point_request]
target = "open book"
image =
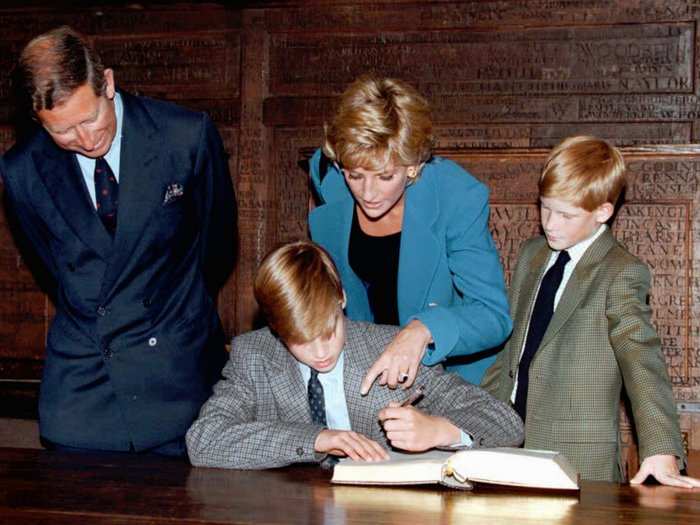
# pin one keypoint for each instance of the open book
(502, 466)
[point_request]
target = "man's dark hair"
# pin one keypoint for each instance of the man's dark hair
(53, 65)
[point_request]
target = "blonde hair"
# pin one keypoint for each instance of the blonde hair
(298, 289)
(380, 121)
(586, 171)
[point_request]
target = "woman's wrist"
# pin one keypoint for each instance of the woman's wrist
(421, 329)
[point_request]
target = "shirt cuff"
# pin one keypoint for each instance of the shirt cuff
(465, 440)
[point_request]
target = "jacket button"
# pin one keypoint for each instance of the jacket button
(510, 374)
(152, 341)
(300, 451)
(146, 302)
(101, 311)
(107, 352)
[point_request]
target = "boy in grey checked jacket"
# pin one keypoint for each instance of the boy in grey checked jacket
(260, 417)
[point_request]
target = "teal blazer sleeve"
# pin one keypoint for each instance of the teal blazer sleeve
(450, 275)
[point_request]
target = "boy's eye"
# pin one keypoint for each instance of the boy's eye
(386, 176)
(353, 176)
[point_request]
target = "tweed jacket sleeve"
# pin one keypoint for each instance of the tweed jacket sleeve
(240, 426)
(490, 422)
(641, 361)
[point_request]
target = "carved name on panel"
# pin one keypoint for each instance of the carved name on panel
(194, 66)
(642, 58)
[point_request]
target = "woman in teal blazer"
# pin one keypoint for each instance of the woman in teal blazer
(450, 292)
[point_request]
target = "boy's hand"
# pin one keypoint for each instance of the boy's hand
(665, 469)
(351, 444)
(400, 360)
(411, 429)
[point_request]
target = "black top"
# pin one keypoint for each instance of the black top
(375, 260)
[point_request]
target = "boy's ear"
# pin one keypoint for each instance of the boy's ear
(603, 212)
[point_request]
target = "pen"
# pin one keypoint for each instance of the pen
(414, 396)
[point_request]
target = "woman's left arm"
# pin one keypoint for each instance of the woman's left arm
(479, 320)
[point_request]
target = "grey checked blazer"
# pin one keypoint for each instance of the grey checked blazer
(600, 339)
(258, 416)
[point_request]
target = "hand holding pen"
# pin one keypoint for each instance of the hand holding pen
(414, 396)
(409, 428)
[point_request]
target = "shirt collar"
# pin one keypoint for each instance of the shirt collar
(577, 250)
(112, 156)
(334, 375)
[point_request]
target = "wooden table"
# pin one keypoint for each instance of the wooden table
(82, 489)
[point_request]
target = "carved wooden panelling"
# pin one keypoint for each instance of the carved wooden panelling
(642, 59)
(202, 66)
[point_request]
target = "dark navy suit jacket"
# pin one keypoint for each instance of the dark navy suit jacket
(136, 341)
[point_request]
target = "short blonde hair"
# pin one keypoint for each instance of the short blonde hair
(586, 171)
(380, 121)
(298, 289)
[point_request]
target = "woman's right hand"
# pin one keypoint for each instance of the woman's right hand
(401, 359)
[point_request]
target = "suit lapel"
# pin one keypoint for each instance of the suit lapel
(360, 353)
(290, 391)
(526, 300)
(420, 249)
(578, 284)
(140, 184)
(357, 361)
(62, 177)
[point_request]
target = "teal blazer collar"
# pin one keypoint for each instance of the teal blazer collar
(420, 249)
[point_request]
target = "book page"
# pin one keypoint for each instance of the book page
(401, 468)
(515, 466)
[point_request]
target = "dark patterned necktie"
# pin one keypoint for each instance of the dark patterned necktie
(106, 194)
(541, 315)
(316, 402)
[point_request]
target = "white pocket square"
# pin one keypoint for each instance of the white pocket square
(173, 192)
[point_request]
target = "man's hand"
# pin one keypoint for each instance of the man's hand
(409, 428)
(400, 360)
(665, 469)
(351, 444)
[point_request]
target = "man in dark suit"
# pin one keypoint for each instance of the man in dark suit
(128, 203)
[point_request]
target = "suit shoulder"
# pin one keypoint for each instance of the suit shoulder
(23, 149)
(618, 260)
(450, 177)
(17, 162)
(533, 244)
(371, 337)
(530, 247)
(183, 127)
(251, 345)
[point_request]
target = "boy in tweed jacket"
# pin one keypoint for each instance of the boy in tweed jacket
(565, 364)
(261, 414)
